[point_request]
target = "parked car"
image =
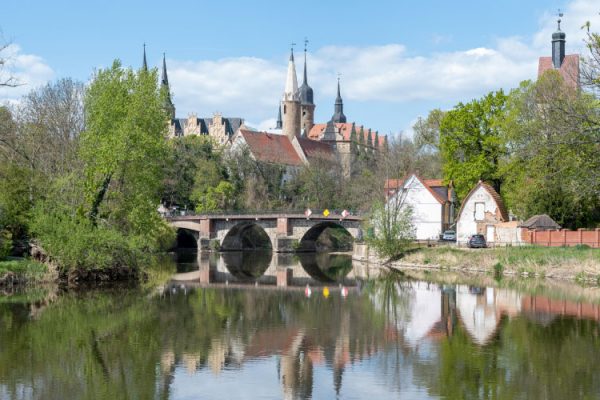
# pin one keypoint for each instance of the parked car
(477, 241)
(449, 236)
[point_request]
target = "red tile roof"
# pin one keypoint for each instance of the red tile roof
(569, 69)
(316, 132)
(391, 185)
(315, 149)
(271, 148)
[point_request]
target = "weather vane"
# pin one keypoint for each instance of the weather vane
(560, 15)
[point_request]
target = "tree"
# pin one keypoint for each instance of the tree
(471, 142)
(392, 225)
(6, 80)
(427, 131)
(123, 148)
(552, 133)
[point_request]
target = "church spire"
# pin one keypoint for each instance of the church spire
(291, 83)
(306, 92)
(144, 63)
(164, 82)
(279, 123)
(338, 115)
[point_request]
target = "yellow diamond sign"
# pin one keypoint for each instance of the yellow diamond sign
(326, 212)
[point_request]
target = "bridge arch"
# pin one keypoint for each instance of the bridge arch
(246, 235)
(186, 238)
(338, 237)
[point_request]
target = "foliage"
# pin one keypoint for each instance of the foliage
(393, 228)
(551, 131)
(471, 142)
(186, 166)
(23, 267)
(5, 243)
(123, 148)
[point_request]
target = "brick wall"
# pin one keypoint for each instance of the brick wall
(562, 237)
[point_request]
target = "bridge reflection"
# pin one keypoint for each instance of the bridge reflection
(265, 268)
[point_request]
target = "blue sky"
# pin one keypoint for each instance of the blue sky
(397, 60)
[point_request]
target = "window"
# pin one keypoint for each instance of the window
(479, 211)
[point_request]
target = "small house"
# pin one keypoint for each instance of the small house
(480, 212)
(431, 201)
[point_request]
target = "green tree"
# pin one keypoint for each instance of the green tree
(471, 142)
(552, 133)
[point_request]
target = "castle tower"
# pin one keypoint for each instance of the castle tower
(164, 82)
(291, 102)
(338, 115)
(307, 105)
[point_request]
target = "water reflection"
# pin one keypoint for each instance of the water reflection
(267, 268)
(392, 338)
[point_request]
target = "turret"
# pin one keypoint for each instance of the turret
(291, 102)
(307, 105)
(558, 46)
(338, 115)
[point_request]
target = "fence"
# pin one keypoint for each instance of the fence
(562, 237)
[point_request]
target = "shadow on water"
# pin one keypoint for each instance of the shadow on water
(247, 266)
(326, 267)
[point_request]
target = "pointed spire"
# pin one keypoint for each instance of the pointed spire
(305, 91)
(291, 83)
(279, 124)
(164, 81)
(144, 62)
(338, 115)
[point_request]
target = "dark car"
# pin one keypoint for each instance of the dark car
(477, 241)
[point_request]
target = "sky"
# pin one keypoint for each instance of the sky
(397, 60)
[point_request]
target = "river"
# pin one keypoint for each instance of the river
(263, 326)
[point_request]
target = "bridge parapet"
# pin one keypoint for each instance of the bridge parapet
(285, 231)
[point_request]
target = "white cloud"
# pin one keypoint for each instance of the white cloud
(29, 70)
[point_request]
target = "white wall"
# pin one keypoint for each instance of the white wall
(466, 224)
(427, 211)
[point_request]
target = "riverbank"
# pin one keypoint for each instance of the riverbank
(579, 264)
(20, 271)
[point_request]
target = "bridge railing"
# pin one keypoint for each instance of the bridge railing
(315, 213)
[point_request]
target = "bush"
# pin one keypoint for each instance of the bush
(498, 269)
(5, 243)
(73, 243)
(582, 247)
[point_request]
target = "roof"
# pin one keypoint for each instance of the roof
(345, 129)
(569, 69)
(495, 196)
(315, 149)
(391, 185)
(541, 221)
(271, 148)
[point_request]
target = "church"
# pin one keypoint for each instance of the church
(296, 139)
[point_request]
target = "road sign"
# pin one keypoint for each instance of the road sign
(345, 213)
(326, 213)
(308, 212)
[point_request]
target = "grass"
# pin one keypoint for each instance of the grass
(23, 268)
(561, 262)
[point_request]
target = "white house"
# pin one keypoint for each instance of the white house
(480, 212)
(431, 201)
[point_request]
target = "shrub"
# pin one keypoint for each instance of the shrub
(498, 269)
(5, 243)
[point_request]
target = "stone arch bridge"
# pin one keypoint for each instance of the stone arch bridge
(285, 232)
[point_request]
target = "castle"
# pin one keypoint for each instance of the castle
(296, 138)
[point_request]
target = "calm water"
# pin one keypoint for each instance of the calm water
(222, 329)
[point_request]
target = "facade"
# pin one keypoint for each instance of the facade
(566, 65)
(431, 201)
(220, 128)
(480, 212)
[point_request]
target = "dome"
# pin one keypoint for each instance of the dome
(306, 94)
